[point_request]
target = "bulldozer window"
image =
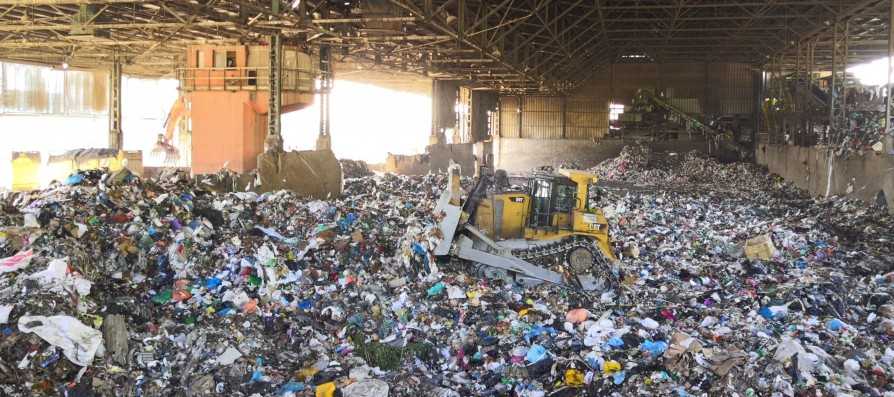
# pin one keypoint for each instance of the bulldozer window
(541, 190)
(548, 197)
(565, 196)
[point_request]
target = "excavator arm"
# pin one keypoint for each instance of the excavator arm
(177, 112)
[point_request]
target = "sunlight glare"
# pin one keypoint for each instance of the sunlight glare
(873, 73)
(367, 122)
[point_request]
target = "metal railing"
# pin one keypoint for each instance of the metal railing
(243, 79)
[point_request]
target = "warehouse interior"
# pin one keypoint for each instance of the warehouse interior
(537, 78)
(457, 106)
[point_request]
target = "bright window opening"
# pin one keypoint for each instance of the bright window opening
(367, 122)
(873, 73)
(614, 111)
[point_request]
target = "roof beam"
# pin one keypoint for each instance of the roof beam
(158, 25)
(61, 2)
(112, 43)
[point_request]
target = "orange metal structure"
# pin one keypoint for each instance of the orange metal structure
(225, 90)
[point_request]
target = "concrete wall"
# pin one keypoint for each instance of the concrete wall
(435, 159)
(521, 154)
(460, 153)
(413, 164)
(808, 168)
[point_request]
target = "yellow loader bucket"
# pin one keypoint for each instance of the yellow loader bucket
(310, 173)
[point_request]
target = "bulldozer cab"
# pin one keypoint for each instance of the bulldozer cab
(560, 206)
(552, 201)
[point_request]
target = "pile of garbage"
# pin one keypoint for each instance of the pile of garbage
(354, 168)
(639, 165)
(114, 285)
(564, 163)
(633, 164)
(756, 291)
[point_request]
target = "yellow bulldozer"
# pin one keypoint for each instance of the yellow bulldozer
(544, 228)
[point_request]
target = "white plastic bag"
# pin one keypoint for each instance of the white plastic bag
(79, 342)
(56, 278)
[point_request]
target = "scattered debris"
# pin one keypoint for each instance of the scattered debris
(200, 292)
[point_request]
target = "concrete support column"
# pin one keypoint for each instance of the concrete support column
(273, 142)
(443, 103)
(482, 103)
(116, 135)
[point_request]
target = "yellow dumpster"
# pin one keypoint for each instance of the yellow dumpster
(25, 171)
(63, 165)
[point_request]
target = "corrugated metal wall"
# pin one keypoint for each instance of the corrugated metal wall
(718, 88)
(626, 79)
(585, 118)
(542, 117)
(731, 88)
(698, 88)
(682, 80)
(44, 90)
(688, 105)
(509, 127)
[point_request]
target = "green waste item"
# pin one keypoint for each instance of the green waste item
(436, 289)
(389, 358)
(146, 242)
(163, 297)
(254, 281)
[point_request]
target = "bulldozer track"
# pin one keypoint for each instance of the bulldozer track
(556, 253)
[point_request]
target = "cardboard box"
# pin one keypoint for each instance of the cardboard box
(760, 247)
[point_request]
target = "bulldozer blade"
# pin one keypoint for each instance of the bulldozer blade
(309, 173)
(465, 250)
(449, 205)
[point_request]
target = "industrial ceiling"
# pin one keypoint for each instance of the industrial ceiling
(510, 45)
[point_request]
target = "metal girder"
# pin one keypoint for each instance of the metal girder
(889, 139)
(431, 20)
(838, 88)
(331, 21)
(552, 21)
(492, 12)
(111, 43)
(61, 2)
(163, 25)
(573, 25)
(546, 44)
(116, 135)
(826, 29)
(273, 142)
(513, 28)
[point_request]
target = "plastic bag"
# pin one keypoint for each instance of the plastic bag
(78, 342)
